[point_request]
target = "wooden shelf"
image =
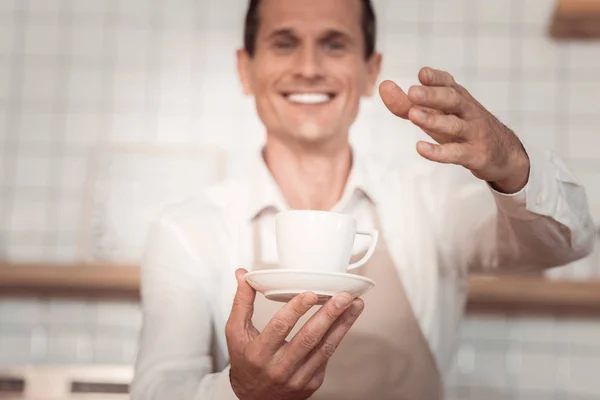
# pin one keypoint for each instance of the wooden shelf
(85, 280)
(486, 294)
(533, 295)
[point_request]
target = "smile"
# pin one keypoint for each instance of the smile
(309, 98)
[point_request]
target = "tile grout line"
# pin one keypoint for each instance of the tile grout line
(153, 70)
(515, 116)
(13, 121)
(61, 108)
(562, 118)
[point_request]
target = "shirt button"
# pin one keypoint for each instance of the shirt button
(539, 200)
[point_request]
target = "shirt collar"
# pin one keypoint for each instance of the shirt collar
(266, 195)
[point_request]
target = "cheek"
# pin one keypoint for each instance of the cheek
(355, 78)
(263, 71)
(259, 83)
(356, 90)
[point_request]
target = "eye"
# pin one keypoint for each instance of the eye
(335, 45)
(284, 44)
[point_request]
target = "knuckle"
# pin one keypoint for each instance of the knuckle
(328, 349)
(237, 301)
(276, 375)
(317, 380)
(229, 331)
(309, 339)
(253, 359)
(459, 153)
(486, 157)
(313, 385)
(331, 313)
(279, 325)
(456, 125)
(481, 159)
(486, 152)
(295, 385)
(299, 306)
(462, 90)
(455, 96)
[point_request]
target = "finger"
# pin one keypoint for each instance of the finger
(279, 327)
(310, 335)
(449, 126)
(315, 382)
(330, 342)
(394, 99)
(243, 303)
(445, 99)
(448, 153)
(435, 77)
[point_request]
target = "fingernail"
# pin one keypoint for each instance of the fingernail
(342, 300)
(429, 74)
(310, 300)
(420, 115)
(427, 147)
(356, 307)
(418, 93)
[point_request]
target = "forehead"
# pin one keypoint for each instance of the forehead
(311, 15)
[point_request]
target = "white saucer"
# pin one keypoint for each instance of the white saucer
(283, 284)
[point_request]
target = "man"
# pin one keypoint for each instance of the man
(502, 206)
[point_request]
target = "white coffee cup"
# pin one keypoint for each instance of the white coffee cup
(318, 241)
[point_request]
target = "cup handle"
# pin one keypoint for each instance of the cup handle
(374, 236)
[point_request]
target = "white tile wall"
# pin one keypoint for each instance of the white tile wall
(539, 52)
(494, 52)
(68, 346)
(78, 73)
(492, 13)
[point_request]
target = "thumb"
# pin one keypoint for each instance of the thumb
(243, 302)
(395, 99)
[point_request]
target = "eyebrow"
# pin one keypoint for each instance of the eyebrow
(282, 32)
(331, 34)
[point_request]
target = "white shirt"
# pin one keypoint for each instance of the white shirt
(439, 222)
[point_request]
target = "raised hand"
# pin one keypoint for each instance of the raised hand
(466, 133)
(264, 365)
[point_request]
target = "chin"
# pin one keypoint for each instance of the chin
(311, 131)
(316, 142)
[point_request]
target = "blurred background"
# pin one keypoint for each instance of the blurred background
(110, 109)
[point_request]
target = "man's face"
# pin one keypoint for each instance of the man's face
(309, 70)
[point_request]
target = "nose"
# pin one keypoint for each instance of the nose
(309, 64)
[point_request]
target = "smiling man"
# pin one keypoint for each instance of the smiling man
(475, 199)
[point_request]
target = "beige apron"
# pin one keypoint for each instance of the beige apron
(384, 356)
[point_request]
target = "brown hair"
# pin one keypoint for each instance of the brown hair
(368, 22)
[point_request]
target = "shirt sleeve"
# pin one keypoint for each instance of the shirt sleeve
(546, 224)
(175, 355)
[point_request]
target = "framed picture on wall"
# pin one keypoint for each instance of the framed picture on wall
(129, 186)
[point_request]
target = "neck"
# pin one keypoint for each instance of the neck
(310, 177)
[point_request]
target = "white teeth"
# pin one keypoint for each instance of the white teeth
(308, 98)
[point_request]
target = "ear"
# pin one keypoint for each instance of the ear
(373, 70)
(243, 67)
